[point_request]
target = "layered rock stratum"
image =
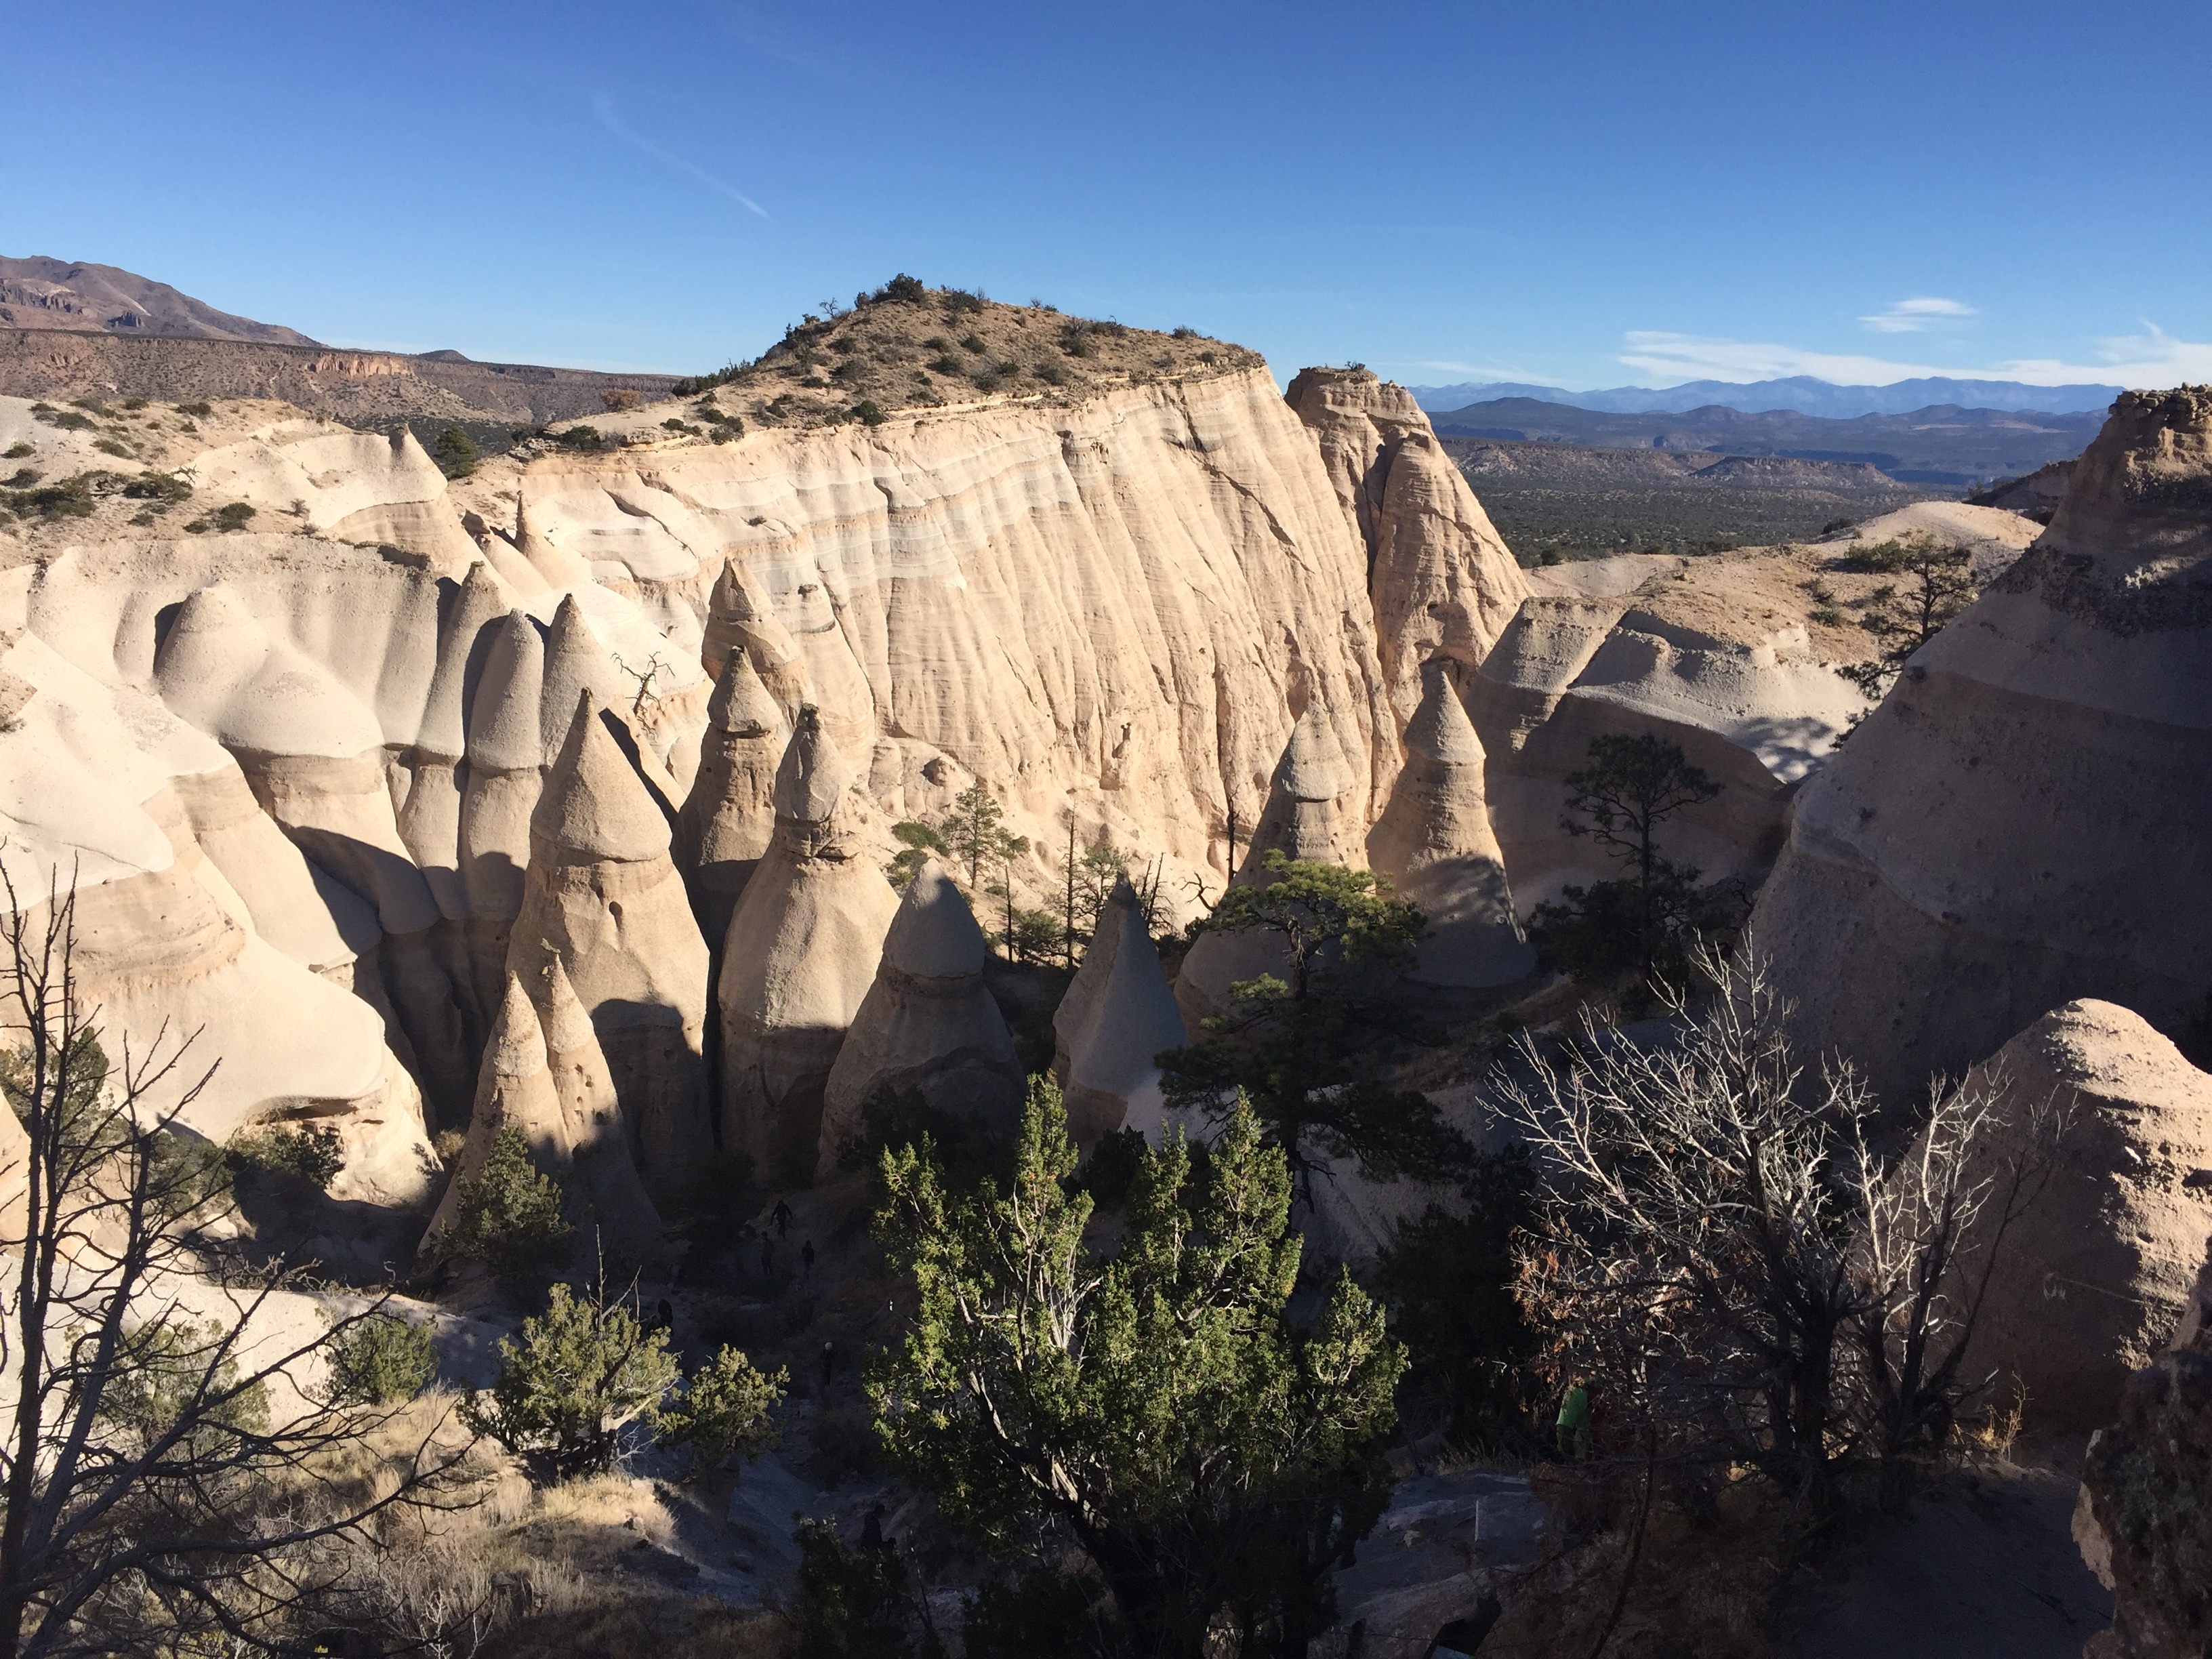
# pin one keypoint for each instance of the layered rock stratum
(2023, 820)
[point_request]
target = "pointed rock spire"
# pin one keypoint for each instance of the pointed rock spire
(929, 1023)
(1118, 1014)
(738, 617)
(602, 894)
(514, 1091)
(1306, 816)
(464, 648)
(559, 567)
(800, 955)
(574, 661)
(729, 816)
(1435, 842)
(813, 775)
(594, 805)
(1315, 811)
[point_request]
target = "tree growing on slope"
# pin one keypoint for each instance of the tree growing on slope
(1938, 584)
(1159, 1411)
(1722, 1251)
(163, 1484)
(1299, 1053)
(1645, 922)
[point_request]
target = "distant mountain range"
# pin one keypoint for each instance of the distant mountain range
(1942, 447)
(1799, 392)
(57, 294)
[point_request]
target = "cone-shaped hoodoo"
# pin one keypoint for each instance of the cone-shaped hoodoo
(602, 894)
(514, 1091)
(929, 1023)
(1435, 842)
(729, 818)
(1118, 1015)
(799, 958)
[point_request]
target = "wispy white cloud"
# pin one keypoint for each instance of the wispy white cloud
(1473, 371)
(603, 106)
(1917, 316)
(2153, 358)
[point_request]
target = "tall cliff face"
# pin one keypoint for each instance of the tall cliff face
(1116, 607)
(1104, 605)
(2023, 820)
(1441, 580)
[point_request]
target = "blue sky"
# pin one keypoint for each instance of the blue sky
(1582, 194)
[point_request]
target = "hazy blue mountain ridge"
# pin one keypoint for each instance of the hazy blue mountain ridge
(1799, 392)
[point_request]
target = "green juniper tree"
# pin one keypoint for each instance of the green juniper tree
(1302, 1052)
(1159, 1411)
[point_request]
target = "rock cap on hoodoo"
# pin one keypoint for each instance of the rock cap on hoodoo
(595, 805)
(2143, 488)
(934, 935)
(814, 776)
(1314, 767)
(740, 705)
(1440, 730)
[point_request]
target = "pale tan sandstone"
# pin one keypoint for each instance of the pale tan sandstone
(2023, 820)
(800, 955)
(729, 816)
(1111, 599)
(928, 1024)
(2091, 1280)
(1440, 578)
(515, 1091)
(601, 894)
(1435, 842)
(608, 1193)
(1313, 813)
(349, 486)
(1119, 1014)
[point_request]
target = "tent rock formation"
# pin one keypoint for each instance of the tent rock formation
(929, 1023)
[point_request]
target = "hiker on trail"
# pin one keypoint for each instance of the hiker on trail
(767, 1255)
(782, 1216)
(1574, 1421)
(806, 1259)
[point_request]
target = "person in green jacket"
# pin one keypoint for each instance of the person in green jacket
(1574, 1421)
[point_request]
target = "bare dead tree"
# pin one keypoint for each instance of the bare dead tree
(1933, 1222)
(163, 1476)
(1724, 1254)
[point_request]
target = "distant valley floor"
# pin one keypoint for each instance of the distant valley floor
(1555, 501)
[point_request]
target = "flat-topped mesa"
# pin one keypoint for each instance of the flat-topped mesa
(602, 893)
(1118, 1015)
(729, 816)
(1435, 842)
(799, 958)
(928, 1024)
(606, 1193)
(1315, 811)
(2021, 822)
(514, 1091)
(1440, 577)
